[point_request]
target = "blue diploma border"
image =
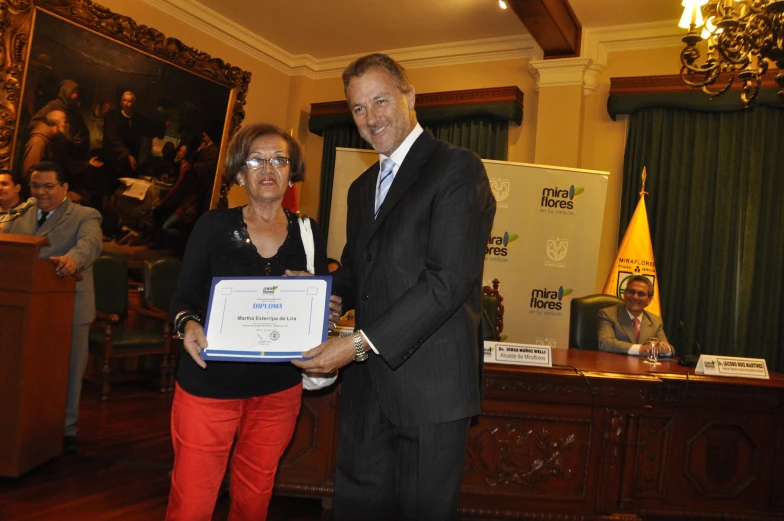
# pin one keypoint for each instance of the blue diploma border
(226, 355)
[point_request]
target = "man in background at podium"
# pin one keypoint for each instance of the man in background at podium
(74, 234)
(625, 328)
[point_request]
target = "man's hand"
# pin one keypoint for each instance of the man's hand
(95, 162)
(132, 162)
(195, 339)
(64, 266)
(665, 349)
(329, 356)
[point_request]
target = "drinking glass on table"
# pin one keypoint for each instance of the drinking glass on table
(652, 345)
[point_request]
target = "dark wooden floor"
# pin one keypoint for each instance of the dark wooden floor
(121, 472)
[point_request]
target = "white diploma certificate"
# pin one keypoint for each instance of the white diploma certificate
(266, 319)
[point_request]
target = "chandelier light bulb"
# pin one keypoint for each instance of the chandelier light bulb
(502, 4)
(692, 16)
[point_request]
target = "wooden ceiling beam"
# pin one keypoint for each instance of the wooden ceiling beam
(553, 25)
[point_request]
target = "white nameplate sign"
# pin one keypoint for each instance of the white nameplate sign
(714, 365)
(518, 354)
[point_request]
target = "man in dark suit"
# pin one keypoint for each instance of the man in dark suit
(412, 268)
(74, 234)
(617, 330)
(123, 131)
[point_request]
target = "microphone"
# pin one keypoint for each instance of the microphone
(15, 213)
(689, 360)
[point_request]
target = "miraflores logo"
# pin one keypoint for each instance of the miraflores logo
(548, 301)
(498, 246)
(560, 200)
(500, 188)
(557, 248)
(545, 342)
(556, 251)
(268, 290)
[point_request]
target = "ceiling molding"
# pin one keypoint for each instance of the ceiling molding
(225, 30)
(598, 42)
(459, 53)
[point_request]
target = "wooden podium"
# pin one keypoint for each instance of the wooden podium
(36, 311)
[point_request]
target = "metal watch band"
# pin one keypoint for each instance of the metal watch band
(358, 345)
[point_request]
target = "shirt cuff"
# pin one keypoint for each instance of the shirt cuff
(634, 350)
(366, 339)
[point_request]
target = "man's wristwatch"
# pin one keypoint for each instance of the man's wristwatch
(359, 346)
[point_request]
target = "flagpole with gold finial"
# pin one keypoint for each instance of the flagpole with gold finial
(644, 176)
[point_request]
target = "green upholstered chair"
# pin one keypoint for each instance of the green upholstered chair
(111, 337)
(582, 319)
(493, 312)
(160, 281)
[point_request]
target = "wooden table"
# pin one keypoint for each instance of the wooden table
(600, 436)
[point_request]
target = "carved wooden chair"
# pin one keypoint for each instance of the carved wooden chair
(160, 281)
(111, 338)
(493, 312)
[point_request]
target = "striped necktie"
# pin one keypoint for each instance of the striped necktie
(387, 167)
(636, 322)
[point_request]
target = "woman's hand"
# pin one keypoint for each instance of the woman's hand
(295, 273)
(194, 339)
(335, 302)
(335, 311)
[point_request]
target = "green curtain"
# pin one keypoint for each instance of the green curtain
(487, 137)
(717, 224)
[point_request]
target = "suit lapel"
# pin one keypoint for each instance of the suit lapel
(626, 324)
(646, 328)
(406, 176)
(56, 219)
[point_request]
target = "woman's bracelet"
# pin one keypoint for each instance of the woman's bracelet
(182, 318)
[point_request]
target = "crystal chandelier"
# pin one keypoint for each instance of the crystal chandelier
(743, 38)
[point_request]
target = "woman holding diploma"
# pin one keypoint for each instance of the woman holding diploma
(256, 401)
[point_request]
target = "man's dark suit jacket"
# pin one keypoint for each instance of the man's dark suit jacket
(414, 277)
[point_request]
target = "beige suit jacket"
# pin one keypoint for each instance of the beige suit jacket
(75, 231)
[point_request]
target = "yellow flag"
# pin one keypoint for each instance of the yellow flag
(635, 257)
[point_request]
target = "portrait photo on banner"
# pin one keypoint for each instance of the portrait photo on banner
(139, 122)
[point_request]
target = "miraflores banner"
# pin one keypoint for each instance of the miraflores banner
(635, 257)
(544, 247)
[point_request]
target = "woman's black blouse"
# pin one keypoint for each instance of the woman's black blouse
(220, 246)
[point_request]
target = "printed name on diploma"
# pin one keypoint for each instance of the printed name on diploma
(266, 319)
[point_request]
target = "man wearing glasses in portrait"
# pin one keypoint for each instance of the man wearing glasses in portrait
(626, 327)
(74, 234)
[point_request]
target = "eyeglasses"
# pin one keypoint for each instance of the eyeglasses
(48, 187)
(636, 293)
(257, 162)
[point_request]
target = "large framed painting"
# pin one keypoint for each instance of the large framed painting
(140, 122)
